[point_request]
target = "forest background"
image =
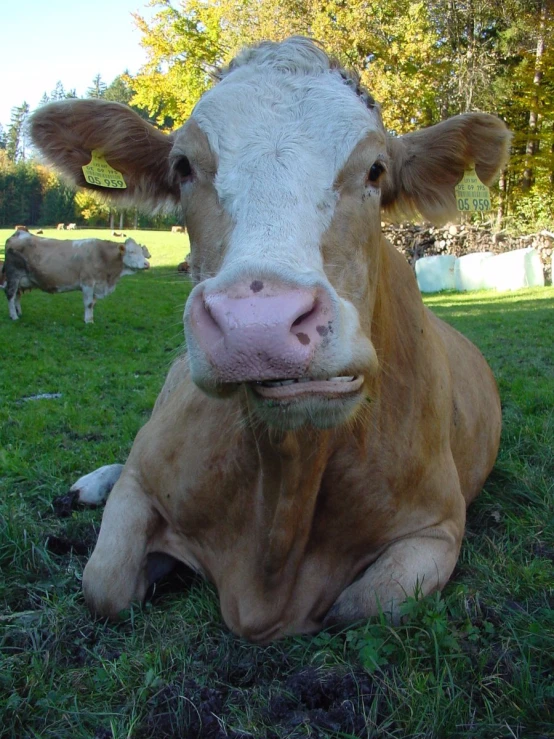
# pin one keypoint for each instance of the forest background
(423, 61)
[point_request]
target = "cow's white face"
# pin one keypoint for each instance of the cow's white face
(281, 172)
(134, 256)
(280, 208)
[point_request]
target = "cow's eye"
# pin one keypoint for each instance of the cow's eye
(183, 169)
(375, 173)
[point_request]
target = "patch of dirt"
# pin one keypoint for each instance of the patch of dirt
(543, 551)
(309, 700)
(326, 701)
(62, 545)
(187, 710)
(78, 541)
(64, 505)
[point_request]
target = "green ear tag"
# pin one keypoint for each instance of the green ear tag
(98, 172)
(471, 194)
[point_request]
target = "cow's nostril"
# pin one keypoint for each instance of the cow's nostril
(304, 317)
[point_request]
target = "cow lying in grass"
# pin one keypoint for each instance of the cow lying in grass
(90, 265)
(315, 451)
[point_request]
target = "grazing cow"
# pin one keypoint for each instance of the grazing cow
(177, 229)
(315, 452)
(40, 231)
(21, 228)
(71, 226)
(90, 265)
(119, 235)
(60, 227)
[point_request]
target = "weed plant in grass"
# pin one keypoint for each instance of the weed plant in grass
(474, 662)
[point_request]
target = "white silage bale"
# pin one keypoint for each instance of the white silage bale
(435, 273)
(469, 272)
(515, 269)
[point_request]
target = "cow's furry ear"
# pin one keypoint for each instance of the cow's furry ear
(425, 166)
(67, 132)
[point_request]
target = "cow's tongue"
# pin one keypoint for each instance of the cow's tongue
(285, 389)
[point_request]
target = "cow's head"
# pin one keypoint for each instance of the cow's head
(134, 255)
(281, 171)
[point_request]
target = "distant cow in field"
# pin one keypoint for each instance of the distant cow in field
(40, 231)
(71, 226)
(314, 452)
(119, 235)
(177, 229)
(60, 227)
(21, 228)
(90, 265)
(184, 267)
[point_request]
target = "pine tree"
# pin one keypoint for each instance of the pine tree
(98, 88)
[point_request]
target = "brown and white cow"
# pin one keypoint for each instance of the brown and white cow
(93, 266)
(60, 227)
(314, 453)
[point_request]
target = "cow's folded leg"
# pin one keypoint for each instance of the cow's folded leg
(417, 565)
(88, 300)
(94, 488)
(117, 573)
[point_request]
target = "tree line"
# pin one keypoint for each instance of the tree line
(423, 61)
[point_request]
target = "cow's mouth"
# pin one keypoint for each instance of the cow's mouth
(334, 387)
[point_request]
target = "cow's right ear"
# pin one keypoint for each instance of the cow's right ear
(67, 132)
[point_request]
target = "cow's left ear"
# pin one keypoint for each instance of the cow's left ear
(68, 132)
(425, 166)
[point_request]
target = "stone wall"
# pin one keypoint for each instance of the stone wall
(416, 241)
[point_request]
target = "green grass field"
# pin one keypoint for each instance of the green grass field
(475, 662)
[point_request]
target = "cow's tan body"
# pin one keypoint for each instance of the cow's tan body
(93, 266)
(315, 452)
(284, 523)
(59, 266)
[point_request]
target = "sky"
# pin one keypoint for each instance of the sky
(44, 41)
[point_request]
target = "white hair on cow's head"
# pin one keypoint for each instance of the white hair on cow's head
(295, 55)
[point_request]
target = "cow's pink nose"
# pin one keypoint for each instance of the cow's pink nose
(261, 330)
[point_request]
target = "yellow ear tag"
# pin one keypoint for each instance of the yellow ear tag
(471, 194)
(98, 172)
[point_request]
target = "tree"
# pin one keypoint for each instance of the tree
(16, 137)
(98, 88)
(120, 90)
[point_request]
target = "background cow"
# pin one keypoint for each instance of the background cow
(177, 229)
(71, 226)
(20, 228)
(90, 265)
(60, 227)
(315, 452)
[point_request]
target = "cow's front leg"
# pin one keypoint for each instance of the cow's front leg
(415, 565)
(117, 573)
(88, 300)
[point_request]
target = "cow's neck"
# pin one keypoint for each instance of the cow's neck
(291, 467)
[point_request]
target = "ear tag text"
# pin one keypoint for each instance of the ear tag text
(98, 172)
(471, 194)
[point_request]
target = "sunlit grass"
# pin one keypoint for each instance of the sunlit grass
(476, 662)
